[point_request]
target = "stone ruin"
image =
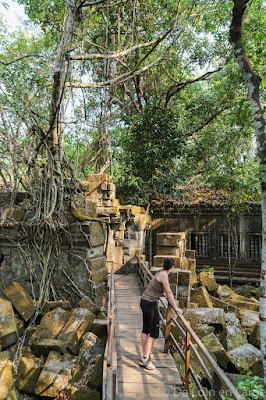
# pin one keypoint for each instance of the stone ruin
(60, 357)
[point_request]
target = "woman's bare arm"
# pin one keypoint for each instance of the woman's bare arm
(169, 293)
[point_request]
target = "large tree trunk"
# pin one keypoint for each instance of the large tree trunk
(59, 74)
(253, 82)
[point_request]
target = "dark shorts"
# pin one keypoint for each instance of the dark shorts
(150, 318)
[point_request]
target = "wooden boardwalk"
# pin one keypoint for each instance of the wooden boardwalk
(134, 381)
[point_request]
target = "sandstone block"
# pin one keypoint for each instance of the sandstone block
(98, 178)
(91, 348)
(95, 231)
(191, 265)
(233, 336)
(56, 374)
(158, 261)
(184, 277)
(248, 320)
(190, 254)
(254, 337)
(44, 347)
(211, 316)
(29, 370)
(95, 264)
(7, 389)
(8, 327)
(51, 305)
(87, 303)
(201, 296)
(169, 239)
(167, 250)
(246, 357)
(207, 279)
(100, 275)
(51, 324)
(20, 299)
(80, 321)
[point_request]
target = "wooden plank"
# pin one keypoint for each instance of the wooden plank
(147, 378)
(126, 370)
(150, 389)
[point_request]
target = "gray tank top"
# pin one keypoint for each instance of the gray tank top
(154, 290)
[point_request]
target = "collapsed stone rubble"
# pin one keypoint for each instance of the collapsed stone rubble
(61, 354)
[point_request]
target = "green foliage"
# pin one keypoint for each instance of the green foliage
(150, 144)
(251, 388)
(208, 268)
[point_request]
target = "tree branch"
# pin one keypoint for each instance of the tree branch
(18, 59)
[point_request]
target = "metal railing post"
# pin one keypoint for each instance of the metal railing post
(168, 328)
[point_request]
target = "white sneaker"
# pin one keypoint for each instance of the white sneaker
(146, 363)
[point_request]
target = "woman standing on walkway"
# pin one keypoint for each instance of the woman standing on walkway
(149, 305)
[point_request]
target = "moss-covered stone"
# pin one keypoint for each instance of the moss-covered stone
(84, 213)
(51, 324)
(233, 336)
(95, 377)
(254, 337)
(244, 358)
(84, 394)
(204, 330)
(86, 302)
(44, 347)
(21, 300)
(7, 389)
(100, 276)
(248, 320)
(207, 279)
(90, 349)
(211, 316)
(56, 374)
(51, 305)
(8, 327)
(29, 370)
(96, 233)
(215, 347)
(98, 263)
(79, 322)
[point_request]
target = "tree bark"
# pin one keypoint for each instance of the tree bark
(253, 82)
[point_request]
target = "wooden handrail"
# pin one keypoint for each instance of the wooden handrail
(218, 378)
(109, 363)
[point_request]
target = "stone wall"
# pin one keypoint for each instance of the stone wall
(78, 269)
(128, 224)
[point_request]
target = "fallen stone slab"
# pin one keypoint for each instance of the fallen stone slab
(21, 300)
(56, 374)
(8, 327)
(51, 324)
(211, 316)
(86, 302)
(80, 321)
(233, 335)
(245, 358)
(215, 347)
(29, 370)
(7, 389)
(83, 393)
(201, 296)
(248, 320)
(51, 305)
(44, 347)
(254, 337)
(90, 349)
(204, 330)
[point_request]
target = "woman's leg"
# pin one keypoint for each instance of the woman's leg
(148, 347)
(144, 337)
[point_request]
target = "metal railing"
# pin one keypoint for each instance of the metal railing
(110, 359)
(219, 382)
